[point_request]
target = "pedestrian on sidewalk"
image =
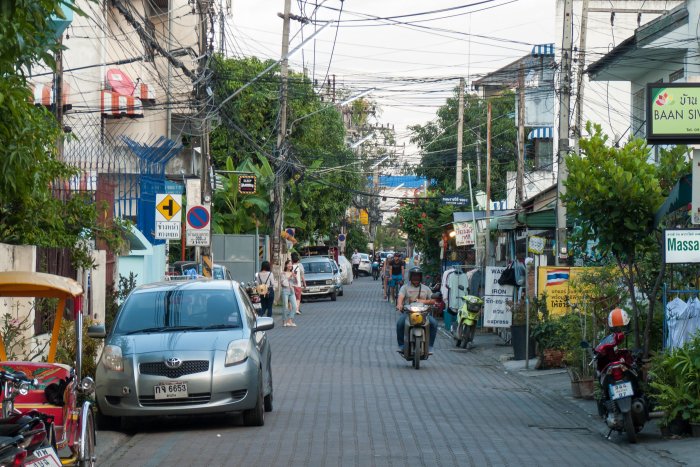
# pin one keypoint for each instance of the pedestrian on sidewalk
(298, 269)
(289, 303)
(265, 282)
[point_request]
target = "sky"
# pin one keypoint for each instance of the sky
(412, 68)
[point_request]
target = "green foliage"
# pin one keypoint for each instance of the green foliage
(438, 142)
(67, 347)
(423, 221)
(17, 335)
(29, 211)
(318, 164)
(675, 382)
(550, 334)
(356, 240)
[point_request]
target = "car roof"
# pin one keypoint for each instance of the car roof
(196, 284)
(307, 259)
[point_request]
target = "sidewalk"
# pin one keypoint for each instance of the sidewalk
(555, 384)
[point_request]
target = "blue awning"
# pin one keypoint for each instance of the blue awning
(543, 50)
(544, 132)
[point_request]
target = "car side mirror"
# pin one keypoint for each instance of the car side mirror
(263, 323)
(97, 331)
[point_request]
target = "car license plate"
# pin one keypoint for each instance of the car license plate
(314, 289)
(620, 390)
(170, 390)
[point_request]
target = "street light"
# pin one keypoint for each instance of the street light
(345, 102)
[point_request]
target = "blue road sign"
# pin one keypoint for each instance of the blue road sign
(341, 237)
(198, 217)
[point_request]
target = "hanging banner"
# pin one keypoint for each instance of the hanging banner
(465, 233)
(496, 312)
(536, 245)
(556, 283)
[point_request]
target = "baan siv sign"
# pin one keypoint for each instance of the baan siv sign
(682, 246)
(673, 113)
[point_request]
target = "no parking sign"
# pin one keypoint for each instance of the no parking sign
(341, 240)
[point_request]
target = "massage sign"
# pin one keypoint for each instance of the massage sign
(673, 113)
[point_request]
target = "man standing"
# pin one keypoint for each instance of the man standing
(298, 270)
(355, 259)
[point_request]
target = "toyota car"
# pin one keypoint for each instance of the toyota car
(183, 348)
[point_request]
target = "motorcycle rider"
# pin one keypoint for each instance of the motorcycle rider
(394, 272)
(414, 291)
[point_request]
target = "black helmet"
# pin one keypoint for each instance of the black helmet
(413, 272)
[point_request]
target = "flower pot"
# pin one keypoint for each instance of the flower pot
(586, 386)
(695, 429)
(553, 358)
(575, 389)
(518, 340)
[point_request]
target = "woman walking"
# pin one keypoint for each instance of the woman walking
(289, 302)
(265, 282)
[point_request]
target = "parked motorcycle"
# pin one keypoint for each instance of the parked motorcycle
(375, 270)
(416, 333)
(622, 402)
(35, 428)
(464, 327)
(252, 290)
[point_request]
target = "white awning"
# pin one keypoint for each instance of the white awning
(544, 132)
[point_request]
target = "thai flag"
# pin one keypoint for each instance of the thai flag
(557, 276)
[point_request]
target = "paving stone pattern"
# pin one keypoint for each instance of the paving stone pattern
(344, 397)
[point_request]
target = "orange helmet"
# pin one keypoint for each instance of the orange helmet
(618, 318)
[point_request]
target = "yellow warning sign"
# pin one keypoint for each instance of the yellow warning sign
(364, 217)
(168, 207)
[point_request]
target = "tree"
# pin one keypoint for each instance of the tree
(318, 165)
(612, 195)
(30, 211)
(437, 141)
(357, 239)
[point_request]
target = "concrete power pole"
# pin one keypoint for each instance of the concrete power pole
(460, 131)
(487, 250)
(579, 74)
(519, 191)
(204, 130)
(564, 103)
(278, 195)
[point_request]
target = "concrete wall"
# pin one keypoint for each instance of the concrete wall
(148, 264)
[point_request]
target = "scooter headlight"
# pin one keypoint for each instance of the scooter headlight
(416, 319)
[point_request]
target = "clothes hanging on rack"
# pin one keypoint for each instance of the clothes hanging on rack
(476, 281)
(682, 321)
(458, 286)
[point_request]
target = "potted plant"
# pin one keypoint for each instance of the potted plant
(518, 329)
(549, 338)
(675, 387)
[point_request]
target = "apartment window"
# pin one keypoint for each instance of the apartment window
(675, 76)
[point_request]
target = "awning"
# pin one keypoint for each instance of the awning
(508, 222)
(543, 50)
(544, 132)
(546, 219)
(680, 196)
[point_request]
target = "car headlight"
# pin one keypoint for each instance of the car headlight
(112, 358)
(237, 352)
(329, 282)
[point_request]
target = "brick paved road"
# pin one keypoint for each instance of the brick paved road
(343, 396)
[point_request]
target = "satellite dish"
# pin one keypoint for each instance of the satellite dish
(119, 82)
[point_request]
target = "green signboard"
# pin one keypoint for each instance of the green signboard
(673, 113)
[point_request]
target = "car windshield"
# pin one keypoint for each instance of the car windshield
(316, 267)
(177, 309)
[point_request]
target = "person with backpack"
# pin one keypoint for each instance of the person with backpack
(265, 283)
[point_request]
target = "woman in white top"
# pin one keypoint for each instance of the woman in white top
(289, 303)
(266, 279)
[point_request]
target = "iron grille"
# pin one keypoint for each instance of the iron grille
(187, 368)
(192, 399)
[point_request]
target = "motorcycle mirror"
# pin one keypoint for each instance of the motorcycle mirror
(585, 345)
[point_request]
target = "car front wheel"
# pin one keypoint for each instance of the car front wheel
(256, 415)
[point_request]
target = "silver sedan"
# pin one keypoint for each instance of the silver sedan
(181, 348)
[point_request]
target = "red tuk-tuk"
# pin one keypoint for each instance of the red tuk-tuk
(73, 422)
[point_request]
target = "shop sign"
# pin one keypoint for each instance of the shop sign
(673, 113)
(682, 246)
(465, 233)
(496, 312)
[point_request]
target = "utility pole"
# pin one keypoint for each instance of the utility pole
(478, 152)
(579, 74)
(564, 103)
(278, 195)
(222, 48)
(519, 195)
(58, 96)
(460, 131)
(204, 127)
(487, 250)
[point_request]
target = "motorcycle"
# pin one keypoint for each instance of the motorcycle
(622, 402)
(375, 270)
(251, 290)
(464, 328)
(35, 428)
(416, 333)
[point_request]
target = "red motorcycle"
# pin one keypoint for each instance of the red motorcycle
(622, 402)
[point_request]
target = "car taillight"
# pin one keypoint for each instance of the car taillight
(20, 457)
(617, 373)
